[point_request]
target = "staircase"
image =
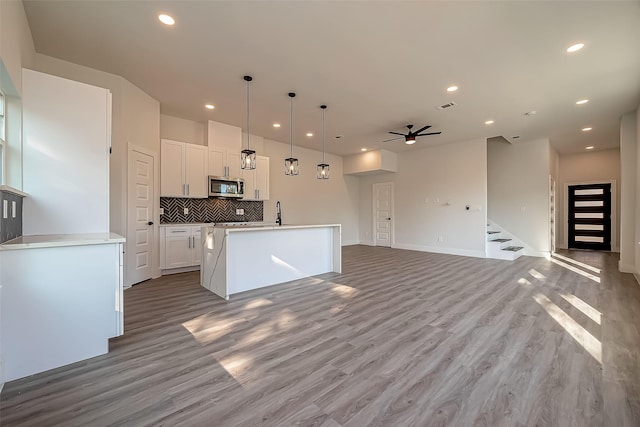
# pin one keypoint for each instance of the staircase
(502, 246)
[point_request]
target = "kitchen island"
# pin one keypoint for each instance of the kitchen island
(241, 258)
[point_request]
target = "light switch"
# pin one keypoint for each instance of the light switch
(161, 211)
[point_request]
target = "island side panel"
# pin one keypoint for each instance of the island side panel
(213, 272)
(337, 249)
(266, 257)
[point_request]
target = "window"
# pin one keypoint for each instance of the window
(2, 137)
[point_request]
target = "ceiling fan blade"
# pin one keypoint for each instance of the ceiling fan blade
(397, 133)
(421, 129)
(393, 139)
(432, 133)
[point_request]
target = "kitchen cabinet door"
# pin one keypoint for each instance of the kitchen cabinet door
(196, 171)
(196, 246)
(171, 168)
(233, 164)
(217, 161)
(249, 177)
(176, 247)
(262, 178)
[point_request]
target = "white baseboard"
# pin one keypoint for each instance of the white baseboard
(441, 250)
(626, 268)
(367, 242)
(350, 242)
(180, 270)
(533, 252)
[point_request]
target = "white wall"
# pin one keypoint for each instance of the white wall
(16, 43)
(308, 200)
(135, 119)
(454, 173)
(637, 234)
(628, 160)
(588, 167)
(518, 190)
(183, 130)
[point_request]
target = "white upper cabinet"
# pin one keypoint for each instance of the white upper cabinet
(256, 182)
(224, 136)
(224, 149)
(183, 169)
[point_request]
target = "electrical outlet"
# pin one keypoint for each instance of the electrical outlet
(186, 211)
(161, 211)
(239, 211)
(440, 239)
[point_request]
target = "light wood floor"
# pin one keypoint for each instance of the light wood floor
(401, 338)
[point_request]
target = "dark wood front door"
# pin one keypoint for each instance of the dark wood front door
(590, 217)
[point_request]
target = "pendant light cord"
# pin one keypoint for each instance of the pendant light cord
(291, 125)
(323, 108)
(248, 113)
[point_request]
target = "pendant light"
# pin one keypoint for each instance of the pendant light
(323, 168)
(291, 164)
(248, 156)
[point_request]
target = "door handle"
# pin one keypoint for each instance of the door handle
(150, 223)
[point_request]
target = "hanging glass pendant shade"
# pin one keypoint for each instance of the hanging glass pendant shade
(291, 164)
(248, 156)
(322, 171)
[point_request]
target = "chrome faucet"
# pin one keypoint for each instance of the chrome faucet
(278, 213)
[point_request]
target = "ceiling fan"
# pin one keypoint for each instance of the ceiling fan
(410, 138)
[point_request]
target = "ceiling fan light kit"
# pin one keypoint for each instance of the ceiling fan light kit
(322, 170)
(291, 166)
(248, 156)
(410, 138)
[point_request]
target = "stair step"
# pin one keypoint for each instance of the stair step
(492, 232)
(500, 240)
(513, 248)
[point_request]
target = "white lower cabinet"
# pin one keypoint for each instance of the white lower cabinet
(180, 246)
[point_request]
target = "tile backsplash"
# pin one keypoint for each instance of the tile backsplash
(209, 210)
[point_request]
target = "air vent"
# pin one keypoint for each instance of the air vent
(446, 106)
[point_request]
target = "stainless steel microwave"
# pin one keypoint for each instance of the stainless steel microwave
(226, 187)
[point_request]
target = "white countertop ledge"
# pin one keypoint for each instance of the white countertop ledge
(59, 240)
(13, 190)
(241, 228)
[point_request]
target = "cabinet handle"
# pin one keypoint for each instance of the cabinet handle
(187, 189)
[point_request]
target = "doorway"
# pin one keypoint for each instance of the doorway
(141, 224)
(383, 214)
(589, 216)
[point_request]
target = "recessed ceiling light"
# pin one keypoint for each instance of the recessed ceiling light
(575, 47)
(309, 134)
(209, 106)
(452, 88)
(591, 147)
(488, 122)
(166, 19)
(363, 149)
(586, 129)
(582, 101)
(276, 125)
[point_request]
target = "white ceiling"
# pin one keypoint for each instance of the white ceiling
(377, 65)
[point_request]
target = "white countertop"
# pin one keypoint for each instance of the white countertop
(58, 240)
(13, 190)
(218, 224)
(270, 226)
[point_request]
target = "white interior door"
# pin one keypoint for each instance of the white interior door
(140, 217)
(382, 214)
